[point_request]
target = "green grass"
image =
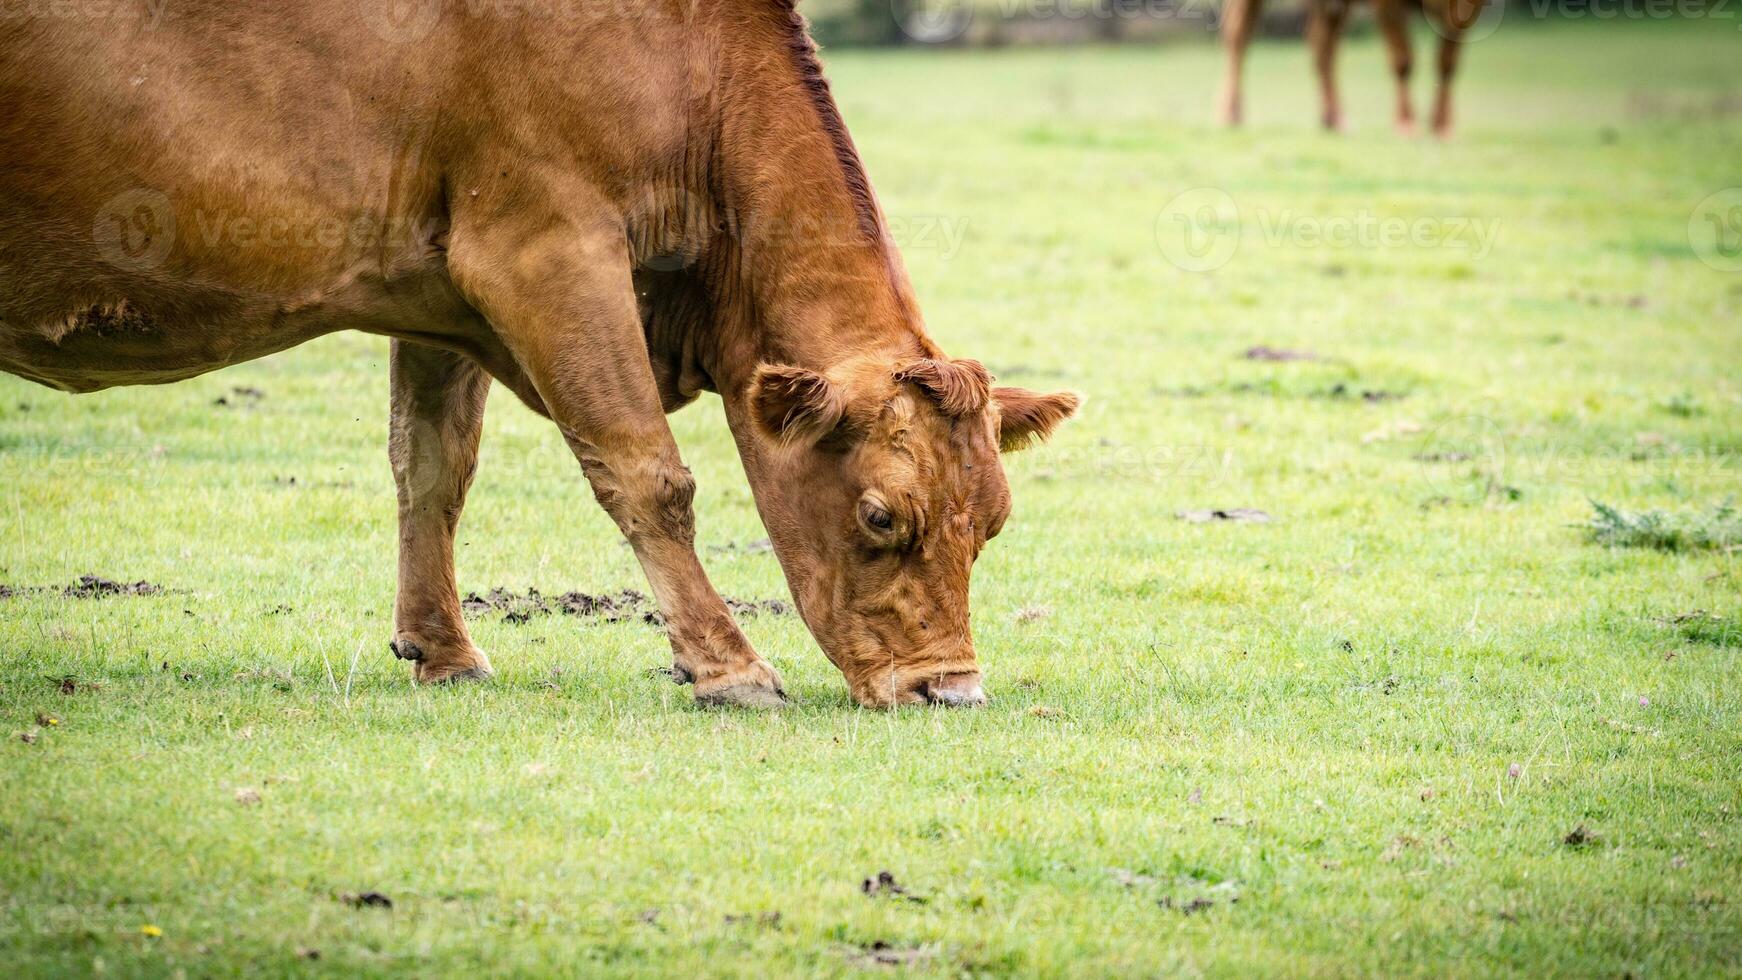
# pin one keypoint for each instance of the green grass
(1374, 720)
(1718, 528)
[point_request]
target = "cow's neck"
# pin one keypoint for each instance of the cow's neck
(804, 272)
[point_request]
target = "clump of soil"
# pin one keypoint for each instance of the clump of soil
(1266, 353)
(625, 606)
(881, 953)
(1191, 895)
(97, 587)
(1235, 514)
(760, 546)
(1372, 396)
(371, 900)
(240, 395)
(885, 886)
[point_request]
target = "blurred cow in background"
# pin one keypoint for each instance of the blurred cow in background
(1325, 19)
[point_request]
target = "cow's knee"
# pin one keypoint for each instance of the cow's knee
(648, 496)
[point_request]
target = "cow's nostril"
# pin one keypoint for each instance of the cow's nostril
(956, 690)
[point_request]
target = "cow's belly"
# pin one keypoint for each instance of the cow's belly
(119, 341)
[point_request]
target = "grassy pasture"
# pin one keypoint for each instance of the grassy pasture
(1420, 722)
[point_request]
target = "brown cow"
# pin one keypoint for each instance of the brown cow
(607, 207)
(1325, 19)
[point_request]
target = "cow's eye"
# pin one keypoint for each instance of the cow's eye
(878, 519)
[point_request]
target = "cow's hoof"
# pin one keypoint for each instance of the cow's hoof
(458, 667)
(459, 676)
(756, 685)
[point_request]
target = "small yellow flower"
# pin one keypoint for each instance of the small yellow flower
(150, 931)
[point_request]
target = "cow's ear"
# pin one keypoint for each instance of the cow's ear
(1024, 416)
(795, 405)
(960, 388)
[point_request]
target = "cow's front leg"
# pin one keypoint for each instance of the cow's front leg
(438, 413)
(564, 304)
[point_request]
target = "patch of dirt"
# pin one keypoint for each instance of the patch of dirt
(366, 900)
(6, 591)
(1191, 894)
(761, 546)
(1580, 836)
(1132, 879)
(885, 886)
(1234, 514)
(72, 685)
(1032, 614)
(247, 796)
(749, 609)
(766, 920)
(97, 587)
(881, 953)
(1372, 396)
(1700, 626)
(625, 606)
(1398, 845)
(1277, 354)
(240, 396)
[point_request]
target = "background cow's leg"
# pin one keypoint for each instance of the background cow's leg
(1324, 29)
(1451, 46)
(1239, 19)
(438, 414)
(565, 305)
(1393, 21)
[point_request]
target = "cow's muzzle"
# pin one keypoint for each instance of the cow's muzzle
(955, 690)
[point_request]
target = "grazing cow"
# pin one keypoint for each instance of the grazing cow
(607, 208)
(1325, 18)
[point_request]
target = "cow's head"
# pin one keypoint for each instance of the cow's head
(879, 483)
